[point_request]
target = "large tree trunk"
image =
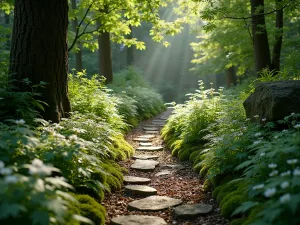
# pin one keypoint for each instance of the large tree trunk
(78, 54)
(260, 36)
(278, 37)
(230, 77)
(105, 64)
(130, 56)
(39, 52)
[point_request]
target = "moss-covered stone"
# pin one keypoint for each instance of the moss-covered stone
(91, 209)
(229, 206)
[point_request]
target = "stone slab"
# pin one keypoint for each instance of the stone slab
(144, 157)
(137, 220)
(154, 203)
(164, 173)
(142, 139)
(192, 211)
(140, 190)
(151, 128)
(158, 121)
(151, 132)
(174, 166)
(151, 148)
(144, 165)
(136, 180)
(145, 144)
(146, 136)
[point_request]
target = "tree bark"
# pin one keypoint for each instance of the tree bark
(260, 36)
(39, 52)
(130, 56)
(230, 77)
(104, 52)
(278, 37)
(78, 54)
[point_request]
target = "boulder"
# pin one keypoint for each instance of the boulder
(273, 100)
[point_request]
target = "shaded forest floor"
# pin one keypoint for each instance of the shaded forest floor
(183, 184)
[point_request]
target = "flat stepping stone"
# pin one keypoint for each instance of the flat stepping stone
(152, 132)
(151, 128)
(192, 211)
(137, 220)
(145, 144)
(140, 190)
(144, 157)
(158, 121)
(146, 136)
(174, 166)
(136, 180)
(154, 203)
(142, 139)
(151, 148)
(163, 118)
(144, 165)
(164, 173)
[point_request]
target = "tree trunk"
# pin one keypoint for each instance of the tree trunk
(105, 64)
(39, 52)
(260, 36)
(230, 77)
(78, 54)
(130, 56)
(278, 36)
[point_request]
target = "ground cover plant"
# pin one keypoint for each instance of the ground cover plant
(253, 168)
(58, 173)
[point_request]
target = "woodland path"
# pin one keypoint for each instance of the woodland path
(167, 177)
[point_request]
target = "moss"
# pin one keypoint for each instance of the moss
(184, 155)
(207, 185)
(92, 191)
(203, 171)
(194, 154)
(239, 221)
(253, 214)
(216, 180)
(224, 190)
(91, 209)
(228, 207)
(230, 195)
(216, 191)
(114, 183)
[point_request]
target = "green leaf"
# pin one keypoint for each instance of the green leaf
(40, 218)
(7, 210)
(244, 207)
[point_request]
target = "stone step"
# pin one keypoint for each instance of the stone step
(144, 165)
(145, 144)
(151, 148)
(164, 173)
(151, 125)
(152, 132)
(192, 211)
(142, 139)
(151, 128)
(163, 118)
(158, 121)
(144, 157)
(137, 220)
(140, 190)
(146, 136)
(154, 203)
(136, 180)
(173, 166)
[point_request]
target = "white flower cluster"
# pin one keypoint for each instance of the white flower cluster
(270, 192)
(285, 198)
(21, 121)
(292, 161)
(7, 173)
(38, 167)
(259, 186)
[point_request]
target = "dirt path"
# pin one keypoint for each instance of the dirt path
(182, 184)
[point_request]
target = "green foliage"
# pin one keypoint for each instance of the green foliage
(232, 203)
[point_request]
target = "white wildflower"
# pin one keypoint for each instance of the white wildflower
(273, 173)
(287, 173)
(257, 134)
(21, 121)
(40, 185)
(257, 142)
(57, 126)
(57, 135)
(285, 198)
(284, 131)
(248, 119)
(297, 126)
(270, 192)
(296, 172)
(272, 166)
(256, 116)
(259, 186)
(10, 179)
(6, 171)
(262, 154)
(292, 161)
(2, 165)
(37, 163)
(73, 137)
(276, 137)
(264, 120)
(38, 167)
(284, 184)
(292, 114)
